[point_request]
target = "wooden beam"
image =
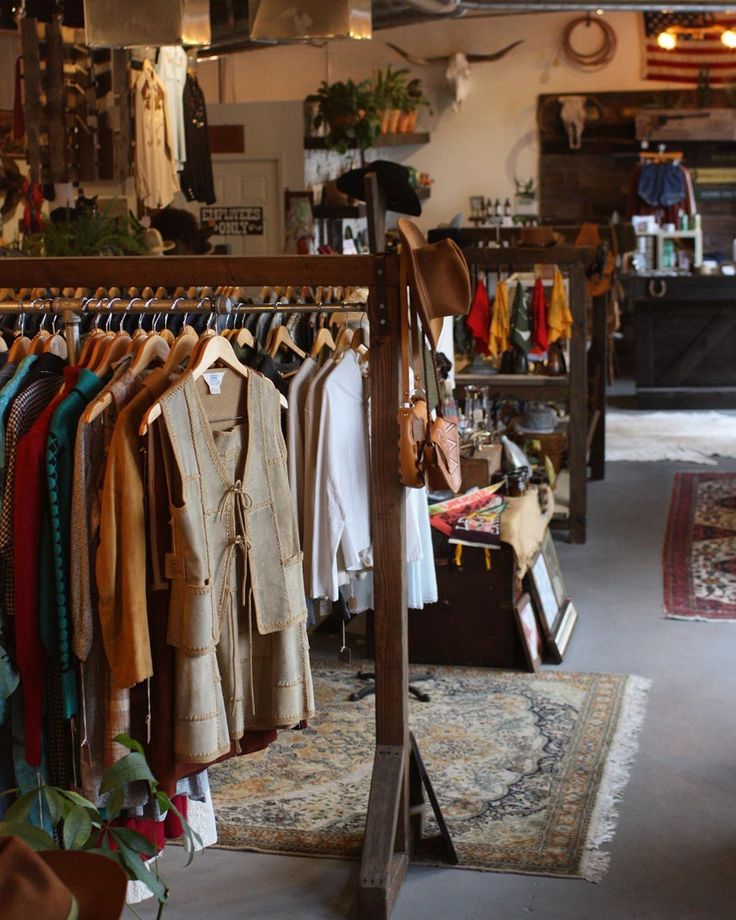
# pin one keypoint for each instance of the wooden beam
(173, 271)
(578, 374)
(32, 107)
(382, 870)
(599, 355)
(55, 116)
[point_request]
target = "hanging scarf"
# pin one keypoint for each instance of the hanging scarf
(498, 339)
(479, 318)
(540, 337)
(521, 333)
(559, 317)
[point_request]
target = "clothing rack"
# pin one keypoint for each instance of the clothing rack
(394, 820)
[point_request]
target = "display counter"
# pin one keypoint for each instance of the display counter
(685, 327)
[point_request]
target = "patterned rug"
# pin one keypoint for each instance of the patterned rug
(700, 548)
(527, 767)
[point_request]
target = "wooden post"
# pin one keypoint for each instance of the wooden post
(375, 200)
(55, 116)
(33, 109)
(599, 354)
(577, 440)
(121, 115)
(386, 846)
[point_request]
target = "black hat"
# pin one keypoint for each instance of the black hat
(393, 178)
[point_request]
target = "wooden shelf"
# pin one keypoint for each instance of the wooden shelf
(525, 386)
(407, 139)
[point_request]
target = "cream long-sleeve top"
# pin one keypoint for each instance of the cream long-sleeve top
(172, 71)
(156, 180)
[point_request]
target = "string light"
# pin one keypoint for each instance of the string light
(729, 38)
(667, 40)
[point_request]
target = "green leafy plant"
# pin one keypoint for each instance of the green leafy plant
(83, 826)
(89, 234)
(349, 111)
(525, 187)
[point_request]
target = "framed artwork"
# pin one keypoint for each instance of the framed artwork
(556, 612)
(526, 622)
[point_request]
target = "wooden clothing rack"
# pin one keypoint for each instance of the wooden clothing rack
(394, 820)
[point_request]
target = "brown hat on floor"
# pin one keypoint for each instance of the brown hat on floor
(58, 884)
(438, 278)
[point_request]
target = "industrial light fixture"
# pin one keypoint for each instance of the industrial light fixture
(668, 39)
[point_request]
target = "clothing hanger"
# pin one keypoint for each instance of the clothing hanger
(19, 348)
(344, 341)
(39, 339)
(216, 349)
(282, 338)
(55, 344)
(323, 339)
(182, 347)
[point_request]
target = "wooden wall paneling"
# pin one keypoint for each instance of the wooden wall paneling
(33, 108)
(122, 134)
(55, 108)
(590, 183)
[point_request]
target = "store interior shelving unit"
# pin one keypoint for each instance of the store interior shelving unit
(571, 388)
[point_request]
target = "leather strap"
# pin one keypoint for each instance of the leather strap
(404, 308)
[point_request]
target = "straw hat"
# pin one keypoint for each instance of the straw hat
(438, 278)
(58, 884)
(154, 242)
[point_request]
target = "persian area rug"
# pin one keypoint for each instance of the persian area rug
(700, 548)
(691, 437)
(528, 769)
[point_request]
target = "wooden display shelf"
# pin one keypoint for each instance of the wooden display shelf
(525, 386)
(407, 139)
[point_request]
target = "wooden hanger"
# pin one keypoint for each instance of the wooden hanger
(154, 348)
(19, 349)
(114, 352)
(38, 341)
(323, 339)
(282, 338)
(56, 345)
(89, 344)
(183, 347)
(344, 341)
(216, 350)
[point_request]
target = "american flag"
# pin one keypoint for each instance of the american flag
(691, 55)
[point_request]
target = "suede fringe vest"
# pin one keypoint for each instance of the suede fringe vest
(237, 616)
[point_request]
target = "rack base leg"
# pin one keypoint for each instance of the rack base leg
(440, 847)
(382, 868)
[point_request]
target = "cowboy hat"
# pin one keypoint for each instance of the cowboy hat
(393, 178)
(155, 243)
(58, 884)
(438, 278)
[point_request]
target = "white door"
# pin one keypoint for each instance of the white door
(248, 210)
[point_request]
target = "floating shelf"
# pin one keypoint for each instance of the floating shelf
(352, 212)
(408, 139)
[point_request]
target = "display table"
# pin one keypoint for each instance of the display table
(685, 334)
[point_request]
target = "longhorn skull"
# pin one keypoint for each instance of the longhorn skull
(574, 113)
(457, 71)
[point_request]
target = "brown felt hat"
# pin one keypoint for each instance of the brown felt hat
(439, 278)
(58, 884)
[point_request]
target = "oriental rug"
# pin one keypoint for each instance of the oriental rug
(688, 437)
(528, 769)
(700, 548)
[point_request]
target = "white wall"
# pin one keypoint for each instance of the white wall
(480, 149)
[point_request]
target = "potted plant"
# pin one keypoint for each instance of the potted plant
(82, 826)
(525, 198)
(410, 105)
(391, 97)
(348, 109)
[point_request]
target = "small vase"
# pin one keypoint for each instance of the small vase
(409, 122)
(385, 121)
(393, 123)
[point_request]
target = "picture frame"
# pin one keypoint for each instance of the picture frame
(555, 610)
(526, 623)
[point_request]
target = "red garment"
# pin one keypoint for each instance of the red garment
(540, 332)
(158, 832)
(479, 318)
(30, 491)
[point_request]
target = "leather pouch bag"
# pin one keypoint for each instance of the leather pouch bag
(442, 448)
(412, 415)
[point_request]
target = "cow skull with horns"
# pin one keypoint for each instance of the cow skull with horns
(574, 112)
(457, 69)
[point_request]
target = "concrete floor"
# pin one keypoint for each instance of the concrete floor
(673, 856)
